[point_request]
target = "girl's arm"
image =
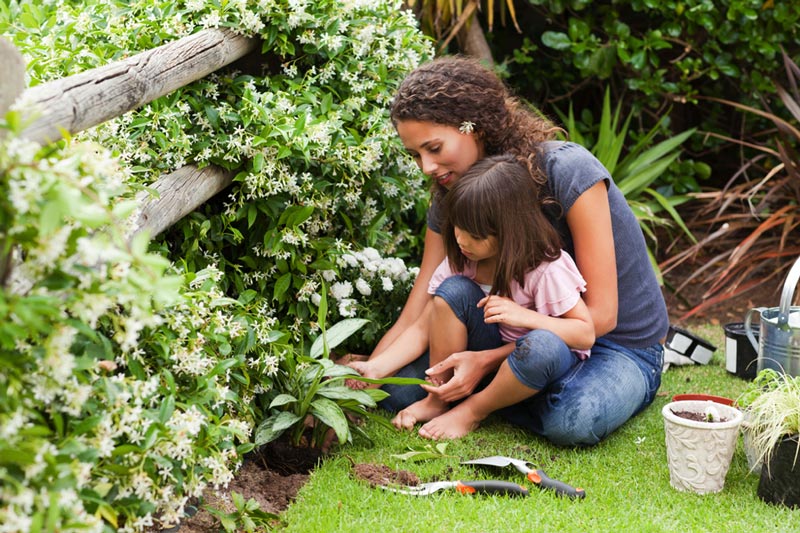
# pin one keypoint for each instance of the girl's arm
(433, 254)
(575, 327)
(589, 221)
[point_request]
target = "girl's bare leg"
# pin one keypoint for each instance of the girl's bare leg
(504, 390)
(447, 335)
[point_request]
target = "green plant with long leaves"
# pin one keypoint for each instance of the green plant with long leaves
(773, 411)
(636, 168)
(313, 396)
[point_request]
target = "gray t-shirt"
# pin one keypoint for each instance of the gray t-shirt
(571, 169)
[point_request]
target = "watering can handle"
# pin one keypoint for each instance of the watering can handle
(748, 329)
(788, 292)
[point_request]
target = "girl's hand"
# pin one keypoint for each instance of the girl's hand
(504, 310)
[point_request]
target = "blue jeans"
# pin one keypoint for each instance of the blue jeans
(579, 405)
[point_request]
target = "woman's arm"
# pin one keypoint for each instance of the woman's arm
(589, 221)
(575, 327)
(407, 346)
(433, 253)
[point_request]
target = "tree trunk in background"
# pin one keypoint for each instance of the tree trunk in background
(472, 41)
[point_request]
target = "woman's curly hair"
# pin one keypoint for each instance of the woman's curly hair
(452, 90)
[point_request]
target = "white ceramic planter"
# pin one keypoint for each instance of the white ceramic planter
(699, 453)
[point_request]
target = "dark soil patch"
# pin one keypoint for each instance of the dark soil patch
(271, 475)
(696, 416)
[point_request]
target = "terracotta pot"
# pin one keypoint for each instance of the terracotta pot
(699, 453)
(780, 479)
(702, 397)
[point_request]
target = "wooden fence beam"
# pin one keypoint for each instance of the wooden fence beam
(12, 84)
(180, 193)
(90, 98)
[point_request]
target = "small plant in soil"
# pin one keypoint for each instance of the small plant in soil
(248, 516)
(709, 414)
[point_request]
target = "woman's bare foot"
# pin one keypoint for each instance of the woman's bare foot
(453, 424)
(425, 409)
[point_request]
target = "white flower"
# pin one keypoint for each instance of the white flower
(341, 290)
(466, 127)
(363, 287)
(347, 308)
(388, 285)
(712, 413)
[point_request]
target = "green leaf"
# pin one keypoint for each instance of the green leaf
(332, 416)
(421, 453)
(556, 40)
(282, 285)
(335, 335)
(274, 426)
(342, 392)
(282, 399)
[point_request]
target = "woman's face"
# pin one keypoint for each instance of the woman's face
(442, 152)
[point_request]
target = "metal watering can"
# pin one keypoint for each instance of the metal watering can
(778, 346)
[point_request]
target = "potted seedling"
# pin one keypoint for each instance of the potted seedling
(701, 438)
(773, 432)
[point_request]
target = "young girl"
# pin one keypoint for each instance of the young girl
(502, 250)
(451, 112)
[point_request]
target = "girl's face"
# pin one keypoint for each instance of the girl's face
(442, 152)
(473, 248)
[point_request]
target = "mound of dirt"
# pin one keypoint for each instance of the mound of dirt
(377, 475)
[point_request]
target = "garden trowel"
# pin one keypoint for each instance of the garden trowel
(537, 477)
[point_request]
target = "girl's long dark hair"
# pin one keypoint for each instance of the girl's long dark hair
(496, 198)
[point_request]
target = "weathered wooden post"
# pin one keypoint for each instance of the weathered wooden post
(90, 98)
(12, 83)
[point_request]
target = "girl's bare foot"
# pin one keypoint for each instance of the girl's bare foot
(425, 409)
(453, 424)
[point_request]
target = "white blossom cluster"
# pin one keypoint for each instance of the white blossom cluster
(365, 275)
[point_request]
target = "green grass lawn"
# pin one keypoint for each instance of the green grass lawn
(625, 477)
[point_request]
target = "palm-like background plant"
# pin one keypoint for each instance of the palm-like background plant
(637, 172)
(749, 227)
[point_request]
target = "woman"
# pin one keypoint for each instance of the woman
(451, 112)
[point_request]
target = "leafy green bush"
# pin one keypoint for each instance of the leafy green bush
(668, 51)
(123, 385)
(129, 383)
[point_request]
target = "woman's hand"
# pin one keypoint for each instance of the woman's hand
(504, 310)
(467, 369)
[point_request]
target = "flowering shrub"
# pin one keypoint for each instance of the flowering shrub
(371, 287)
(121, 391)
(129, 374)
(319, 166)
